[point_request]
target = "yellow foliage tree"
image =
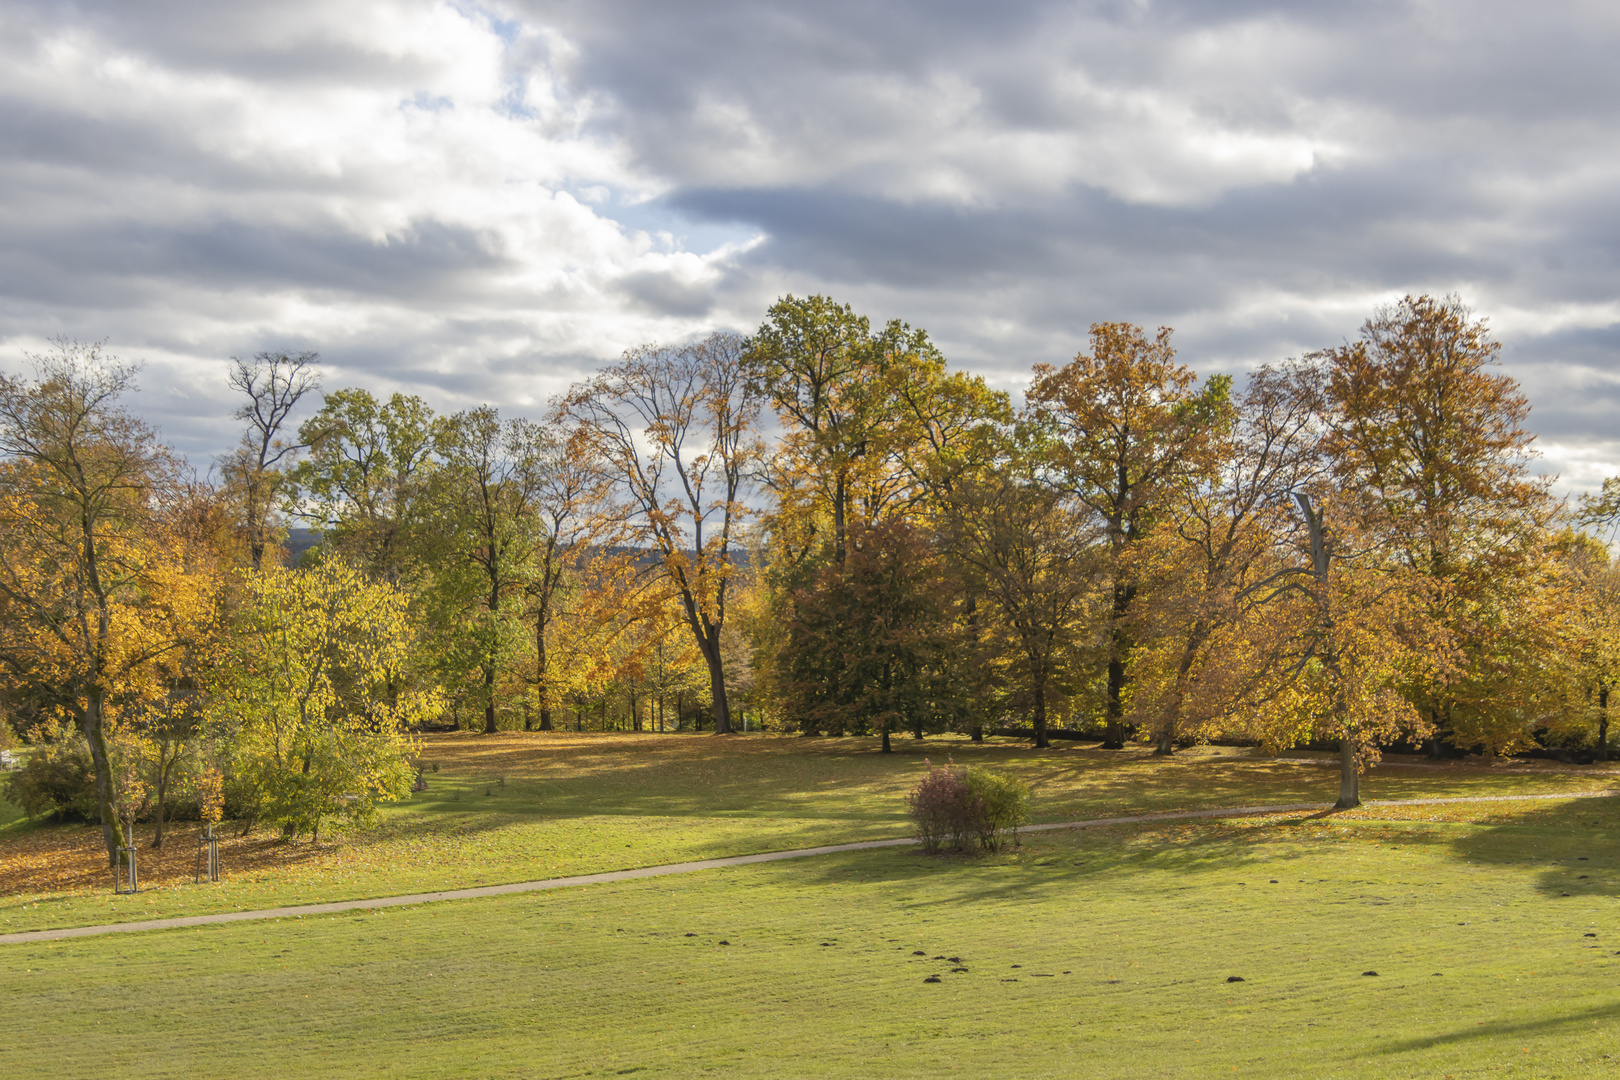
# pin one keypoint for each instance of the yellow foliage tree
(102, 598)
(316, 722)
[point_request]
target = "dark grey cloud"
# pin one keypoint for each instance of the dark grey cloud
(480, 201)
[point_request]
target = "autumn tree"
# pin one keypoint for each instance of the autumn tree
(573, 547)
(1199, 661)
(1354, 619)
(1127, 426)
(274, 383)
(1591, 634)
(94, 588)
(673, 429)
(1418, 420)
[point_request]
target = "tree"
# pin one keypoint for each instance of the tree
(1591, 645)
(487, 536)
(567, 495)
(1033, 558)
(1219, 537)
(317, 729)
(673, 428)
(362, 483)
(94, 587)
(874, 644)
(813, 361)
(1127, 427)
(1417, 421)
(1359, 638)
(273, 383)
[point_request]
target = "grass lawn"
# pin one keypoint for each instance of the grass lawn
(517, 807)
(1102, 952)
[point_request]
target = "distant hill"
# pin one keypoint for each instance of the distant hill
(299, 541)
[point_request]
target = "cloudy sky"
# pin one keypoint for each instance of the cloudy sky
(483, 201)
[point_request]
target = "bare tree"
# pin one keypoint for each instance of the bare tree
(273, 384)
(567, 504)
(674, 428)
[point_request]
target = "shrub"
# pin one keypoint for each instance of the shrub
(58, 777)
(938, 808)
(1001, 804)
(953, 805)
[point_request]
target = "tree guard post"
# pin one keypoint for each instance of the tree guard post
(207, 851)
(125, 878)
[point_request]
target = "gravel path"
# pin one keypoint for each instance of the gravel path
(304, 910)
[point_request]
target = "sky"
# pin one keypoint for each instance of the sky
(484, 202)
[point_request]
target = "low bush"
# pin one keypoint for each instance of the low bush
(58, 777)
(1000, 805)
(953, 806)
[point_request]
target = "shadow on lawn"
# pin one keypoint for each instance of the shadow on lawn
(1050, 865)
(838, 778)
(1566, 1022)
(1576, 845)
(1574, 848)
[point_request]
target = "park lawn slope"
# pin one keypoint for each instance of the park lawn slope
(519, 807)
(1101, 952)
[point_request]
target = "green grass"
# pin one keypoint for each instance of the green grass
(1484, 967)
(515, 807)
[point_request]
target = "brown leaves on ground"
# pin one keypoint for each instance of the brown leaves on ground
(69, 858)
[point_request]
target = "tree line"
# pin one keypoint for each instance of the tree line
(818, 527)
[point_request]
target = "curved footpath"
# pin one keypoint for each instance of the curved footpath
(712, 864)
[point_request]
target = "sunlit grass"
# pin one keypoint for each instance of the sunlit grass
(1494, 946)
(519, 807)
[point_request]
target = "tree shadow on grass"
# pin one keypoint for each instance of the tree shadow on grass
(1566, 1022)
(1070, 863)
(1574, 845)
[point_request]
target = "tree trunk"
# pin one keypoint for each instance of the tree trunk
(1041, 742)
(489, 701)
(1171, 722)
(542, 665)
(95, 734)
(1349, 779)
(1123, 594)
(717, 684)
(1603, 723)
(840, 520)
(887, 749)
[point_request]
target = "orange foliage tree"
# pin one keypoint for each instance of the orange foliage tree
(1127, 427)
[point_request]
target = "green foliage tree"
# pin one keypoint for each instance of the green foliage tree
(485, 539)
(363, 481)
(874, 644)
(1025, 547)
(309, 706)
